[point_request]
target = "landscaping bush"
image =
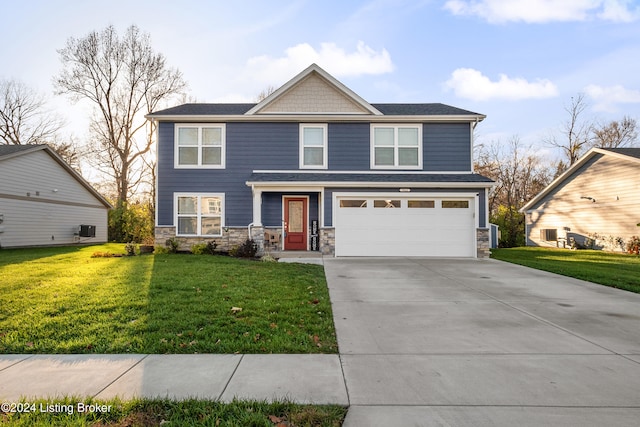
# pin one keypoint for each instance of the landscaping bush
(130, 222)
(172, 245)
(248, 249)
(633, 245)
(199, 248)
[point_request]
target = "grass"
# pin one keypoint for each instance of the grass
(63, 300)
(617, 270)
(165, 412)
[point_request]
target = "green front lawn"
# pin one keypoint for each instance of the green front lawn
(611, 269)
(62, 300)
(155, 412)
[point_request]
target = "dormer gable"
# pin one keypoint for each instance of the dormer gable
(313, 91)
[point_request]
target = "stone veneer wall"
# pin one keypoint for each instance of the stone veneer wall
(483, 236)
(328, 241)
(230, 238)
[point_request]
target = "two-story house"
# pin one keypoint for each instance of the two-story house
(316, 167)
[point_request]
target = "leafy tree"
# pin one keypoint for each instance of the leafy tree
(124, 78)
(520, 175)
(131, 222)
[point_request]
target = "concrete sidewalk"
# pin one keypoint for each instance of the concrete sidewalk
(301, 378)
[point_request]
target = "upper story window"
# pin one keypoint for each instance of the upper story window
(200, 146)
(313, 146)
(396, 147)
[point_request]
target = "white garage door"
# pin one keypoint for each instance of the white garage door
(388, 225)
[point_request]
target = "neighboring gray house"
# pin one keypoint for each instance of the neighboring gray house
(44, 202)
(599, 194)
(316, 167)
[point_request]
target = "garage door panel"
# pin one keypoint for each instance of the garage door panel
(404, 231)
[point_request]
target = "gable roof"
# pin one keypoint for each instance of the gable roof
(333, 92)
(336, 101)
(630, 154)
(11, 151)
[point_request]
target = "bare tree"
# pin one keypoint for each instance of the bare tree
(520, 175)
(265, 93)
(124, 79)
(575, 131)
(615, 134)
(24, 118)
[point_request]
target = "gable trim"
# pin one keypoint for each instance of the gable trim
(313, 68)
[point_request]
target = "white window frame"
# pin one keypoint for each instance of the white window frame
(198, 213)
(325, 145)
(199, 164)
(396, 147)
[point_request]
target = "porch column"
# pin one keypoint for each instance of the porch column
(257, 207)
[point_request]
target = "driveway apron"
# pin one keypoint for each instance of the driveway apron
(481, 342)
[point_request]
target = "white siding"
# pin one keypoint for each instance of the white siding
(42, 204)
(614, 183)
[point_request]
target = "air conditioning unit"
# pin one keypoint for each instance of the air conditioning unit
(87, 231)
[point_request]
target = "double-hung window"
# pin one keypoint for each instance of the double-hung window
(313, 146)
(199, 214)
(200, 146)
(396, 147)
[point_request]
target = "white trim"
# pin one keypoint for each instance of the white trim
(278, 186)
(284, 239)
(325, 146)
(177, 195)
(319, 118)
(396, 146)
(368, 172)
(200, 126)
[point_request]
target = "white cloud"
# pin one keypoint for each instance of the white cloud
(541, 11)
(472, 84)
(606, 98)
(334, 59)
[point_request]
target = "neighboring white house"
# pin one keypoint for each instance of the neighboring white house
(44, 202)
(599, 196)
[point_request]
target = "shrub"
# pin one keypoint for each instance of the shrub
(160, 250)
(211, 247)
(130, 222)
(199, 248)
(268, 258)
(247, 250)
(172, 245)
(633, 245)
(130, 248)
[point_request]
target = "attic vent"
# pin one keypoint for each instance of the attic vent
(549, 234)
(87, 231)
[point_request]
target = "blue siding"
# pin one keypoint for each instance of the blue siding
(447, 147)
(349, 147)
(275, 146)
(249, 146)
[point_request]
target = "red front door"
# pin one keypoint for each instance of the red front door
(295, 223)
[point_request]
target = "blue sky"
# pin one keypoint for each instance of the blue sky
(517, 61)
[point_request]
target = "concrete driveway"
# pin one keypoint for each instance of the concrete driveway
(434, 342)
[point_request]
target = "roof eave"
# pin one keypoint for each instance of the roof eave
(316, 118)
(377, 184)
